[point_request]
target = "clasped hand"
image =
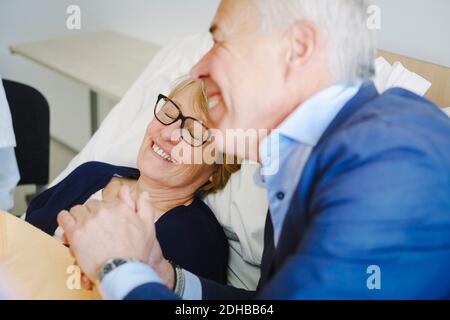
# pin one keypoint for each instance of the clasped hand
(121, 228)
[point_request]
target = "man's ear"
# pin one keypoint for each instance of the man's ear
(303, 40)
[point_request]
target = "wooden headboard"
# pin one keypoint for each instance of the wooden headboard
(439, 76)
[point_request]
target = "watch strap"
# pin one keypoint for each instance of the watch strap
(179, 282)
(111, 265)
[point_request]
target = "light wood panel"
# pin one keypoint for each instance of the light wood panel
(107, 62)
(35, 266)
(439, 76)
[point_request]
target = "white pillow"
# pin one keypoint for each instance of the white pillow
(397, 76)
(403, 78)
(241, 207)
(383, 70)
(447, 111)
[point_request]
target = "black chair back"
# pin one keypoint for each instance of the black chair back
(31, 121)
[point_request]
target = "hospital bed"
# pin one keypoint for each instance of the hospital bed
(241, 208)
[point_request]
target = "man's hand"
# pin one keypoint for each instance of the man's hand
(161, 266)
(100, 231)
(156, 259)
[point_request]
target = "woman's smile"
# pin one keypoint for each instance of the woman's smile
(158, 152)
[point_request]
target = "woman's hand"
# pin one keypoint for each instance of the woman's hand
(100, 231)
(86, 284)
(155, 259)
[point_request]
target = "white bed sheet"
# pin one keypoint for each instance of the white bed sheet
(447, 111)
(397, 76)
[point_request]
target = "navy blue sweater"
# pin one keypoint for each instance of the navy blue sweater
(190, 235)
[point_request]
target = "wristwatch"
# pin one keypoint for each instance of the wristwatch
(110, 265)
(178, 286)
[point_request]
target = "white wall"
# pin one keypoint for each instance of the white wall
(157, 21)
(417, 28)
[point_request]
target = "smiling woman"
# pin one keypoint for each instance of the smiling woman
(176, 145)
(187, 230)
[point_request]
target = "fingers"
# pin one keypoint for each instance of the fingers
(125, 196)
(86, 284)
(144, 210)
(94, 206)
(79, 213)
(64, 240)
(110, 191)
(67, 223)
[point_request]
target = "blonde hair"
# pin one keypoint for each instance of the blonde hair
(223, 171)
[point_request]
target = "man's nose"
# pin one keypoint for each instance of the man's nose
(201, 70)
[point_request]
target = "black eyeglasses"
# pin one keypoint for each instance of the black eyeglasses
(193, 131)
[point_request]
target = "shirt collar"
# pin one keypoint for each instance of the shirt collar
(310, 120)
(307, 123)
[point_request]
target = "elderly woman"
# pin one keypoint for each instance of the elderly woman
(187, 230)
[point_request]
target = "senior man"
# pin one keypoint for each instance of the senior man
(360, 206)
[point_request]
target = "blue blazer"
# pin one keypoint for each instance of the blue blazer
(370, 218)
(190, 235)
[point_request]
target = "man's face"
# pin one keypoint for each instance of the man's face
(244, 72)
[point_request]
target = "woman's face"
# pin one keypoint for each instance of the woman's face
(164, 157)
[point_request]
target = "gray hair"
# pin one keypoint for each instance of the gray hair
(351, 45)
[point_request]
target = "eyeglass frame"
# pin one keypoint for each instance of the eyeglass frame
(183, 119)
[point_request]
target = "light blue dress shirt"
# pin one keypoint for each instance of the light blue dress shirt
(117, 284)
(283, 156)
(289, 146)
(9, 172)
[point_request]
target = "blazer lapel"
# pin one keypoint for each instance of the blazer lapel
(297, 221)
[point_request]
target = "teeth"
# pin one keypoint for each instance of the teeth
(162, 153)
(213, 102)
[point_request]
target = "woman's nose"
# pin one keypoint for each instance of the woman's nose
(172, 133)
